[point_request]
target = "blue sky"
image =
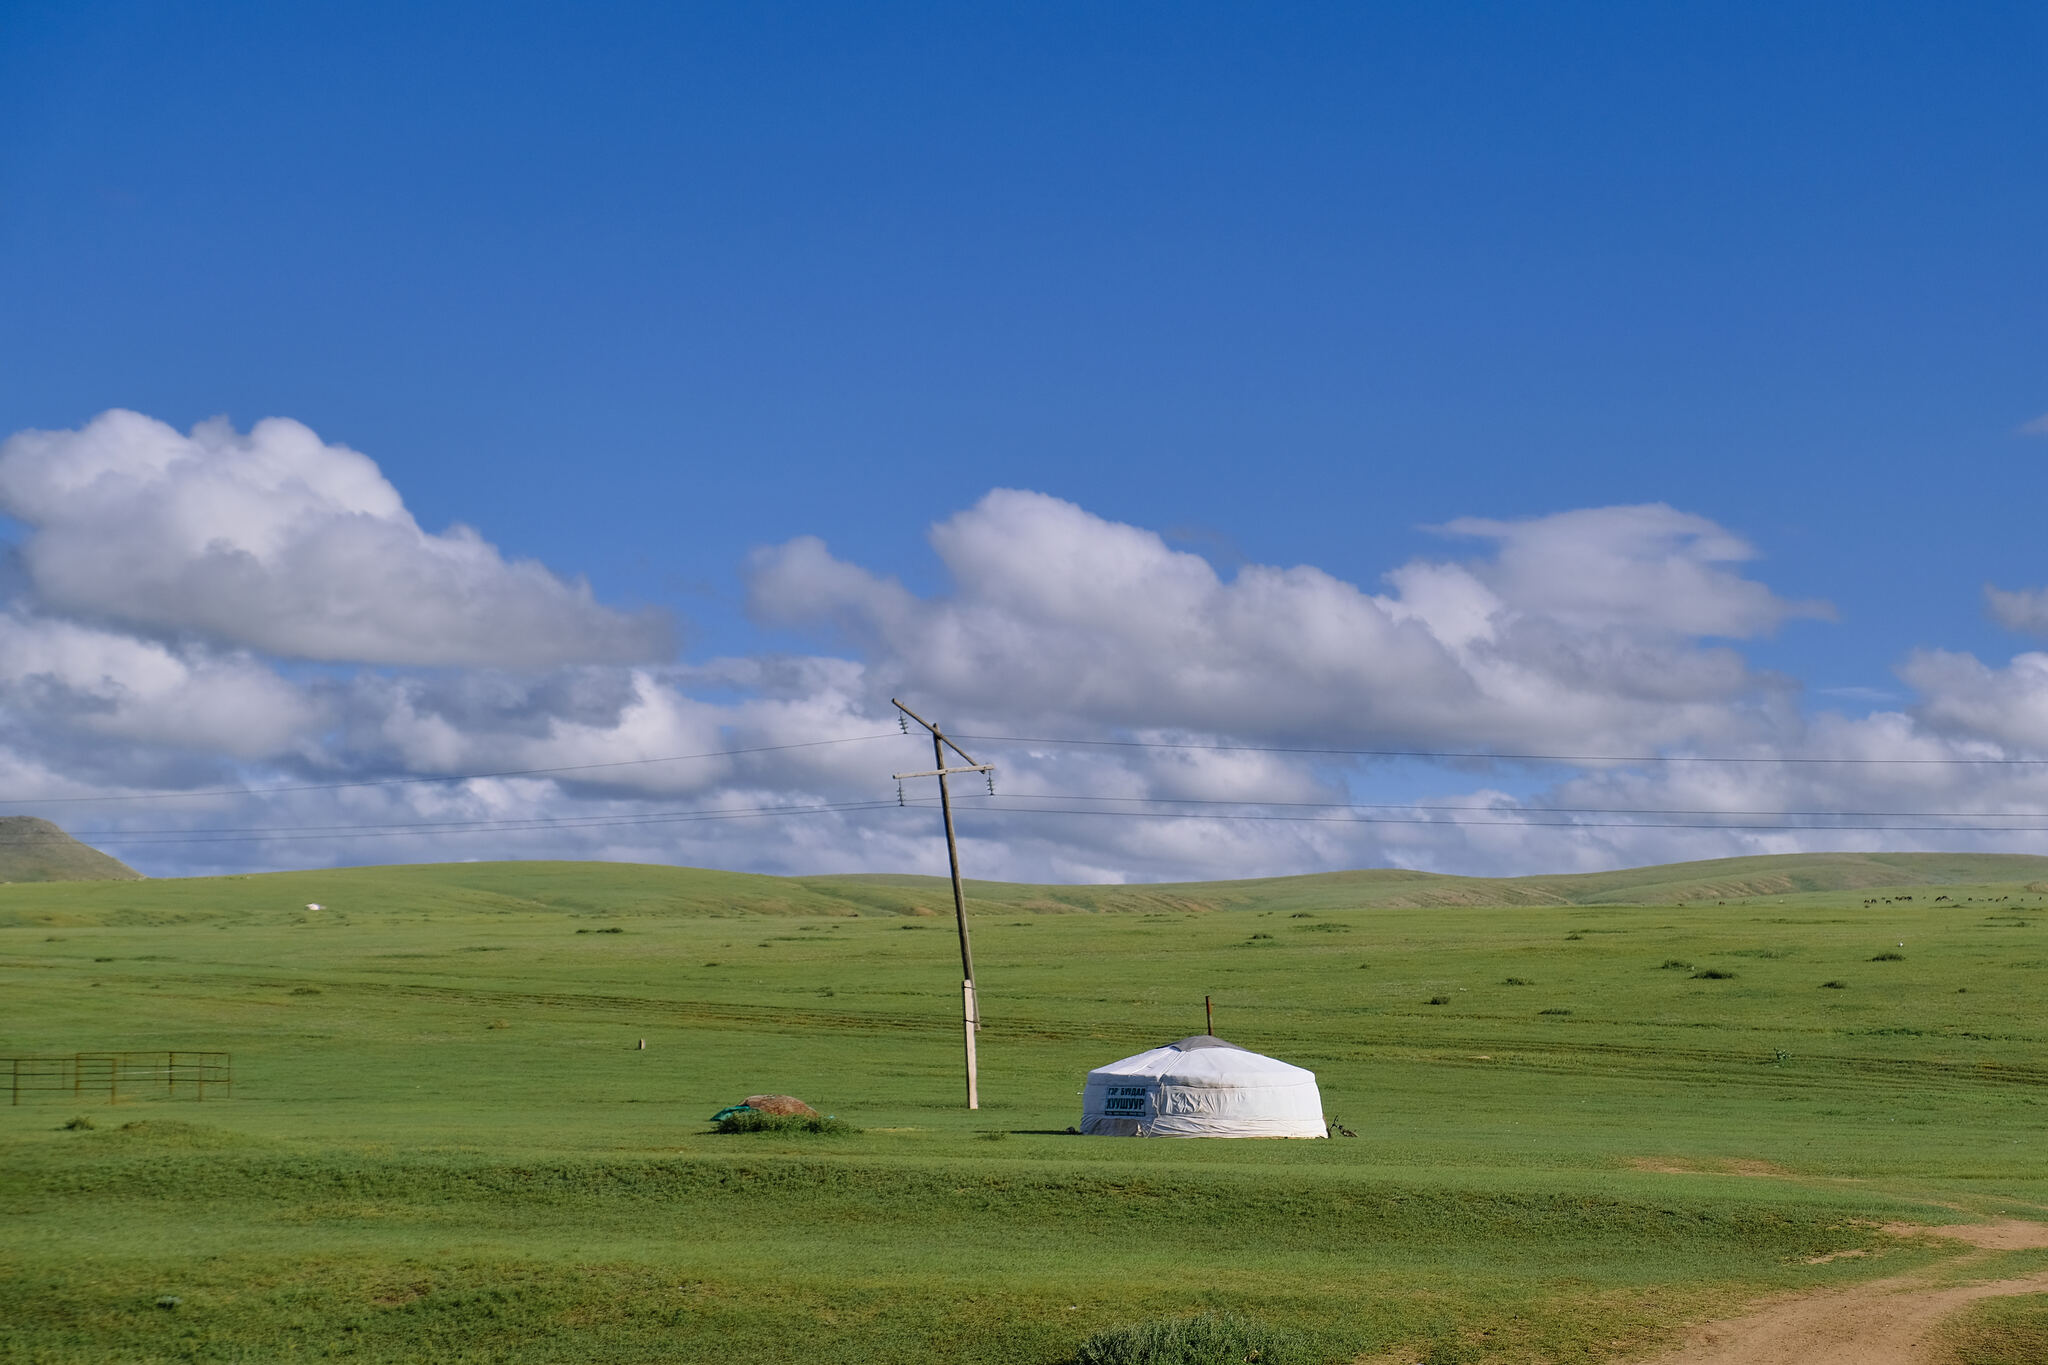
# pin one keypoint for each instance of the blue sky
(636, 291)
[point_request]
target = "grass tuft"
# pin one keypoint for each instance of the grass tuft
(1516, 981)
(173, 1135)
(1675, 964)
(1554, 1010)
(1713, 974)
(750, 1121)
(1834, 985)
(1439, 1000)
(2001, 1332)
(81, 1124)
(1211, 1339)
(1889, 957)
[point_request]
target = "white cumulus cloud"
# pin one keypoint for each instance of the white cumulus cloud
(274, 541)
(2025, 610)
(1061, 614)
(79, 682)
(1647, 567)
(164, 585)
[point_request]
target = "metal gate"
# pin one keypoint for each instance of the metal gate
(81, 1075)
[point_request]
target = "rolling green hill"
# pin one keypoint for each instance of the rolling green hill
(468, 1120)
(628, 889)
(1717, 879)
(33, 850)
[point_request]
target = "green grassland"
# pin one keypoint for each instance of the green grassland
(445, 1144)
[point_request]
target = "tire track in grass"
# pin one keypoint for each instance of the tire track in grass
(1896, 1321)
(1758, 1064)
(794, 1018)
(754, 1016)
(1551, 1056)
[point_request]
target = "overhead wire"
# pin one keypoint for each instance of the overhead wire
(1473, 755)
(982, 805)
(1517, 823)
(1206, 808)
(1449, 755)
(513, 825)
(423, 780)
(1548, 810)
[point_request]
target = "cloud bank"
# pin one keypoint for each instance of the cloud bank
(275, 542)
(166, 591)
(1068, 619)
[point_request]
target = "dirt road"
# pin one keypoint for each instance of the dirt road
(1886, 1322)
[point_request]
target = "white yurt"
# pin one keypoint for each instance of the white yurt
(1202, 1087)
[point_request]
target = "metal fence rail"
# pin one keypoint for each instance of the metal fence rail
(82, 1074)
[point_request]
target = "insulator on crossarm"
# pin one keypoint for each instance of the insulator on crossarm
(991, 783)
(899, 793)
(903, 725)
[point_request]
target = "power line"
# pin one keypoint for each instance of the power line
(1473, 756)
(450, 777)
(1406, 813)
(1516, 824)
(1436, 754)
(1442, 817)
(1537, 810)
(251, 834)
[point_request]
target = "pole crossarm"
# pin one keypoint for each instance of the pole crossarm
(937, 734)
(945, 772)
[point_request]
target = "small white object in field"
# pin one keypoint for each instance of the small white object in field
(642, 1047)
(315, 905)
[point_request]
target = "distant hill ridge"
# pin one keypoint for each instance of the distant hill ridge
(33, 850)
(1395, 888)
(638, 889)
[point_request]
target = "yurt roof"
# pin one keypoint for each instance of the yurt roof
(1204, 1061)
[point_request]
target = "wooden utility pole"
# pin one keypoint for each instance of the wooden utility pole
(970, 1015)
